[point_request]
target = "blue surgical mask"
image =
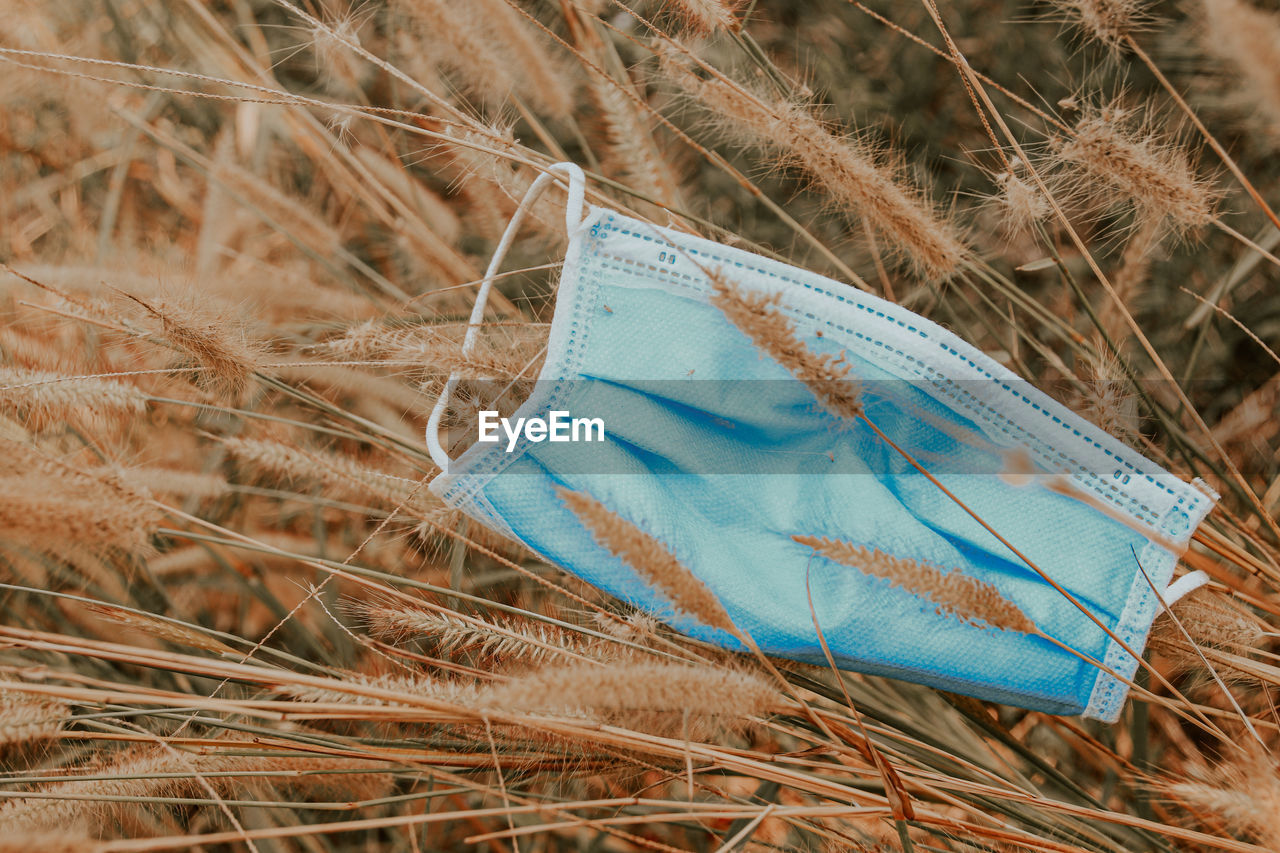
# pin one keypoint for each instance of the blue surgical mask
(714, 449)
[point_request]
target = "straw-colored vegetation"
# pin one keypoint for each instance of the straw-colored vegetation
(240, 241)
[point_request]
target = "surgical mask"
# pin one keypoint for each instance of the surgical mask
(715, 450)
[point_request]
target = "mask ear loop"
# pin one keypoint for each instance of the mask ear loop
(574, 215)
(1183, 587)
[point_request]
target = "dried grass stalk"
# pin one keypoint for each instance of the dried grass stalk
(955, 593)
(156, 772)
(758, 317)
(650, 558)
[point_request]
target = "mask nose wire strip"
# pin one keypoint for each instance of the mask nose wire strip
(1183, 587)
(574, 214)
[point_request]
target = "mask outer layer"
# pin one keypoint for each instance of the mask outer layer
(717, 451)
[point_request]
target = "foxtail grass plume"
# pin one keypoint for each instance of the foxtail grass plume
(655, 696)
(632, 153)
(332, 44)
(1108, 22)
(49, 506)
(344, 476)
(45, 399)
(704, 17)
(55, 841)
(411, 684)
(496, 640)
(954, 593)
(495, 185)
(162, 629)
(1211, 621)
(26, 718)
(506, 351)
(1243, 794)
(651, 559)
(759, 317)
(853, 173)
(218, 347)
(1106, 398)
(493, 50)
(158, 772)
(1113, 159)
(1019, 202)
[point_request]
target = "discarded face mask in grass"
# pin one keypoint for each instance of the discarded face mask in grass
(831, 467)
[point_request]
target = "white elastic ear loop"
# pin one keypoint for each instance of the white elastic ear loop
(574, 212)
(1183, 587)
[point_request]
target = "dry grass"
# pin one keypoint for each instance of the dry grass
(241, 241)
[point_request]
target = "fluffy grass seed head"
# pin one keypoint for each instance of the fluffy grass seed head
(858, 177)
(493, 50)
(955, 593)
(49, 506)
(490, 641)
(1109, 22)
(758, 316)
(163, 772)
(45, 399)
(651, 559)
(1113, 160)
(55, 841)
(1243, 794)
(215, 344)
(656, 696)
(1212, 621)
(1019, 203)
(705, 17)
(25, 718)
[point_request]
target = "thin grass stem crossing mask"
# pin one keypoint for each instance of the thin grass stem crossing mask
(831, 467)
